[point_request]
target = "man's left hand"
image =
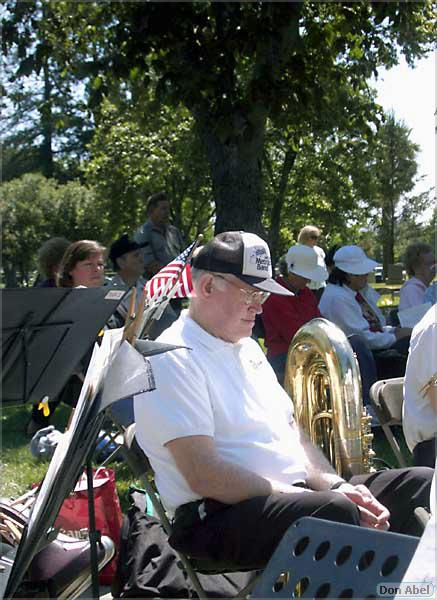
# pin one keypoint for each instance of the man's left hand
(372, 513)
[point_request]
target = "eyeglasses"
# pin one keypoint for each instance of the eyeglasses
(249, 297)
(314, 237)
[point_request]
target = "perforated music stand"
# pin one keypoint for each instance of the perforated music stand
(77, 445)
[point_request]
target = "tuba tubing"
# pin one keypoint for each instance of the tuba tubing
(322, 378)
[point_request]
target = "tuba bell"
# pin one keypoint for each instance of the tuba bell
(323, 380)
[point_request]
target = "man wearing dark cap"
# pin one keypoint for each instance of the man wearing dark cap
(230, 463)
(126, 257)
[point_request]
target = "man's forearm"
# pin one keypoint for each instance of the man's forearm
(321, 475)
(210, 476)
(230, 483)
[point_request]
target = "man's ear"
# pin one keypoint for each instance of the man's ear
(205, 286)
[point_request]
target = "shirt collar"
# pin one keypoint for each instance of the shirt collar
(210, 342)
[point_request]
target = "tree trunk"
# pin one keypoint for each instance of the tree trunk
(236, 173)
(278, 203)
(388, 226)
(10, 275)
(46, 149)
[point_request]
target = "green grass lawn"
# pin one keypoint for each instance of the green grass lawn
(19, 469)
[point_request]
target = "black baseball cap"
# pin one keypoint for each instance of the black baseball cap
(242, 254)
(122, 246)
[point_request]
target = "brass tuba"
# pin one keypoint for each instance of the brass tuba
(323, 379)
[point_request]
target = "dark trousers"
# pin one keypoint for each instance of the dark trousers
(424, 453)
(392, 361)
(246, 534)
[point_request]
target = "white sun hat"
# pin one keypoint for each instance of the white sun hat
(304, 261)
(353, 259)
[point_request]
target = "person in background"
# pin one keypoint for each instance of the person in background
(349, 302)
(282, 316)
(160, 240)
(420, 266)
(419, 420)
(309, 236)
(83, 265)
(231, 464)
(127, 260)
(49, 257)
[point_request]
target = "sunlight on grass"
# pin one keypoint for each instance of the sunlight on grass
(20, 470)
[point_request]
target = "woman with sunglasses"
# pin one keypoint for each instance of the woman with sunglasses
(309, 236)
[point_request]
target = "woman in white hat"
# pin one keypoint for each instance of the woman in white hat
(282, 316)
(351, 304)
(309, 236)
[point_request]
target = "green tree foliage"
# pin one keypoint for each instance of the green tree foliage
(388, 173)
(35, 209)
(46, 123)
(135, 154)
(321, 180)
(235, 65)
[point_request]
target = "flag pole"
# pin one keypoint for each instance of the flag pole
(145, 317)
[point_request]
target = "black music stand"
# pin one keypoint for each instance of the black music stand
(45, 332)
(57, 329)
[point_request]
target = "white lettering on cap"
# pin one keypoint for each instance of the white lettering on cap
(256, 257)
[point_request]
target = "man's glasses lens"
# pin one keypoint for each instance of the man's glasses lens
(254, 297)
(249, 297)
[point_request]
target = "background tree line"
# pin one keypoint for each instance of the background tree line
(256, 116)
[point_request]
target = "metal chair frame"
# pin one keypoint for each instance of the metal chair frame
(142, 470)
(386, 398)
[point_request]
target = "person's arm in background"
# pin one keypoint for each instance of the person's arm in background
(345, 312)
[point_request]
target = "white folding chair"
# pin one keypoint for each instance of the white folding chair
(387, 397)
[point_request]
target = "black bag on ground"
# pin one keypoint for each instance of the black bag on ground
(148, 567)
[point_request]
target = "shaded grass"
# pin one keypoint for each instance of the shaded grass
(19, 469)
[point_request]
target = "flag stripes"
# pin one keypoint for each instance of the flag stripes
(176, 273)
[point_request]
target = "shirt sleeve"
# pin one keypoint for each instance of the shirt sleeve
(345, 312)
(180, 405)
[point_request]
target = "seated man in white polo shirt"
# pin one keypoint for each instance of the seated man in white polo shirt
(230, 463)
(420, 391)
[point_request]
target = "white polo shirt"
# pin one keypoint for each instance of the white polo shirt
(419, 420)
(223, 390)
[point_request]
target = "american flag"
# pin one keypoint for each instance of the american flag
(177, 274)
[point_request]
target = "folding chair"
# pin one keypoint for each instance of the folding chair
(323, 559)
(142, 470)
(387, 398)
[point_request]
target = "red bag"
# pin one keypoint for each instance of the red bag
(73, 515)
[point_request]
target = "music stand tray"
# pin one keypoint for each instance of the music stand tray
(45, 332)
